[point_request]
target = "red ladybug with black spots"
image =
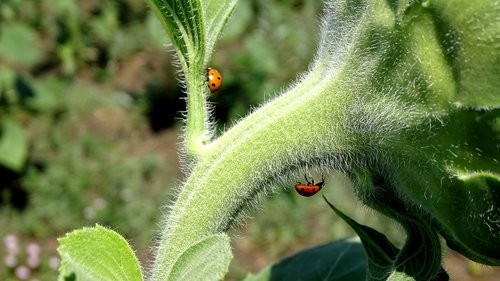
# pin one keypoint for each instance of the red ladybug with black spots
(310, 189)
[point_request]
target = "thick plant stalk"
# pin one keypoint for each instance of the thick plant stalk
(313, 124)
(377, 97)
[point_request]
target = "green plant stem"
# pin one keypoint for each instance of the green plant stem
(184, 24)
(370, 100)
(197, 131)
(317, 122)
(280, 137)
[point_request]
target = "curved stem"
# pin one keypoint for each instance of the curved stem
(236, 168)
(302, 128)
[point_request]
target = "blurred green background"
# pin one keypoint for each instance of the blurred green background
(90, 120)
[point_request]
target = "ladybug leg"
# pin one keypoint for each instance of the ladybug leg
(320, 184)
(307, 180)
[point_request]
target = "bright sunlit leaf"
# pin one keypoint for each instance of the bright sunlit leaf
(206, 260)
(97, 253)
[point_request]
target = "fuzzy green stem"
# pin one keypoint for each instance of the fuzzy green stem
(241, 171)
(184, 24)
(197, 131)
(318, 122)
(280, 137)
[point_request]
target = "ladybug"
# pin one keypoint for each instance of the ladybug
(310, 189)
(214, 80)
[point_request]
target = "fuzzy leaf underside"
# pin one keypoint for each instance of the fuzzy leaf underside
(216, 13)
(193, 26)
(97, 253)
(183, 22)
(390, 96)
(457, 182)
(206, 260)
(469, 35)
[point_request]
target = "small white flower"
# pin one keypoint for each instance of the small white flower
(10, 260)
(23, 272)
(54, 262)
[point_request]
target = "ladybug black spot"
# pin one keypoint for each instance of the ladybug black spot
(213, 84)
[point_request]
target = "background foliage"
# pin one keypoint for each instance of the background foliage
(88, 107)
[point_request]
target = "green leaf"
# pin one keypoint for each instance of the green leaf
(193, 27)
(468, 32)
(207, 259)
(420, 257)
(215, 15)
(485, 188)
(13, 145)
(18, 44)
(380, 251)
(460, 184)
(183, 22)
(97, 253)
(342, 260)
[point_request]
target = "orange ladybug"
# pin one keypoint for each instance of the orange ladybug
(310, 189)
(214, 80)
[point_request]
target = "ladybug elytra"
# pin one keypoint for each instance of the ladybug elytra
(214, 80)
(310, 189)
